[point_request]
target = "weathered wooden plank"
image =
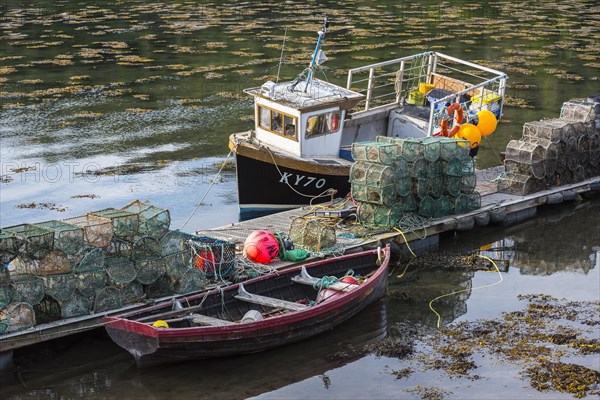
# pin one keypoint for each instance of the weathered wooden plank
(267, 301)
(205, 320)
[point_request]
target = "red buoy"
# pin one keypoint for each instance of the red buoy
(205, 261)
(261, 247)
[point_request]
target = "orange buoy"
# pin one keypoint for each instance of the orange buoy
(205, 261)
(261, 247)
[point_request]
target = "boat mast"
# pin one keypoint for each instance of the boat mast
(316, 53)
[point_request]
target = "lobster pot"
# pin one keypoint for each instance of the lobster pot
(452, 185)
(403, 186)
(583, 150)
(526, 156)
(433, 169)
(192, 280)
(125, 224)
(443, 207)
(120, 270)
(453, 148)
(60, 286)
(512, 167)
(460, 203)
(5, 295)
(594, 149)
(146, 246)
(108, 298)
(398, 142)
(23, 265)
(473, 201)
(427, 207)
(9, 247)
(371, 173)
(407, 203)
(571, 153)
(413, 148)
(579, 174)
(97, 231)
(119, 248)
(149, 269)
(132, 293)
(47, 310)
(16, 317)
(68, 238)
(380, 194)
(382, 153)
(519, 184)
(37, 241)
(164, 286)
(421, 186)
(468, 183)
(92, 260)
(554, 130)
(153, 221)
(213, 255)
(431, 148)
(56, 262)
(401, 166)
(436, 186)
(458, 167)
(561, 160)
(374, 215)
(550, 154)
(418, 168)
(89, 282)
(27, 288)
(174, 242)
(311, 234)
(177, 263)
(75, 306)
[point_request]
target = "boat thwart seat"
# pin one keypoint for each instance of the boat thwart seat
(205, 320)
(305, 279)
(267, 301)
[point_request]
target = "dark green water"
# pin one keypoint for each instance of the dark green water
(150, 91)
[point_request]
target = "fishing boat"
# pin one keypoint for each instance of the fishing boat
(259, 314)
(299, 151)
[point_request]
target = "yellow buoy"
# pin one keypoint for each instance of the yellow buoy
(160, 324)
(471, 133)
(487, 122)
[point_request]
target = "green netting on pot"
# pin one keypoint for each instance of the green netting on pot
(461, 204)
(126, 225)
(173, 242)
(392, 140)
(17, 316)
(458, 167)
(162, 287)
(6, 294)
(119, 248)
(132, 292)
(97, 231)
(120, 270)
(213, 255)
(468, 183)
(9, 246)
(372, 174)
(418, 168)
(452, 185)
(473, 201)
(571, 153)
(28, 288)
(431, 148)
(75, 306)
(427, 206)
(403, 185)
(407, 203)
(579, 174)
(433, 169)
(145, 247)
(311, 235)
(374, 215)
(56, 262)
(594, 149)
(177, 263)
(89, 282)
(436, 186)
(68, 238)
(583, 150)
(421, 186)
(47, 310)
(108, 298)
(413, 149)
(154, 221)
(92, 260)
(382, 195)
(37, 241)
(382, 153)
(192, 280)
(453, 148)
(401, 166)
(443, 207)
(149, 269)
(60, 286)
(23, 265)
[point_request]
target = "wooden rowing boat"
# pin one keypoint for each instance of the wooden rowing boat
(262, 313)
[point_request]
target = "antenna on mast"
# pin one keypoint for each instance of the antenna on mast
(313, 63)
(281, 57)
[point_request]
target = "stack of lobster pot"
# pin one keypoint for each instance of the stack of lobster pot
(555, 152)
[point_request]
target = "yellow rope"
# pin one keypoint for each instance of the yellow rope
(405, 241)
(465, 290)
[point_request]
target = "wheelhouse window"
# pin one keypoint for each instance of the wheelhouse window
(278, 122)
(323, 124)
